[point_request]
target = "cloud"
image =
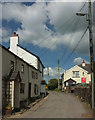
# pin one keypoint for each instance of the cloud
(53, 72)
(34, 30)
(79, 60)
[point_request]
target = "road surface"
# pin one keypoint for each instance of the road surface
(58, 105)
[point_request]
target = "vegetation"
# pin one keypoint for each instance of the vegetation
(53, 84)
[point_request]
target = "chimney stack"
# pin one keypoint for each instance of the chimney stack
(83, 63)
(14, 41)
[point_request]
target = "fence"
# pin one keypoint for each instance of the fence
(84, 93)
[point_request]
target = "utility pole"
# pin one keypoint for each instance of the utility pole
(58, 75)
(91, 52)
(48, 73)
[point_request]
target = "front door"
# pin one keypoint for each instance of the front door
(29, 91)
(16, 95)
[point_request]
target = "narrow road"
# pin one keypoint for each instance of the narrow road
(58, 105)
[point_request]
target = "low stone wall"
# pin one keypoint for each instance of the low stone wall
(84, 93)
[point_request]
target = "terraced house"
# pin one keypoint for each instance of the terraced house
(22, 74)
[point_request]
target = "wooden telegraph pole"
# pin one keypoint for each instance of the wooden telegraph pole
(91, 53)
(48, 73)
(58, 75)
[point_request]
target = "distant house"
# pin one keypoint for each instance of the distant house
(77, 74)
(43, 87)
(21, 75)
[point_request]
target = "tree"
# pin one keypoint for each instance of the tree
(53, 83)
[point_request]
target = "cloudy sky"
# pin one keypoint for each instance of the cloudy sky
(50, 30)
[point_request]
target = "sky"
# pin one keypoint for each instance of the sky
(51, 30)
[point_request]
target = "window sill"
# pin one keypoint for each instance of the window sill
(76, 77)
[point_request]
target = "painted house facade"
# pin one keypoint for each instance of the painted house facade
(23, 53)
(77, 74)
(20, 79)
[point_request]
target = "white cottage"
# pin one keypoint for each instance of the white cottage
(21, 75)
(77, 74)
(23, 53)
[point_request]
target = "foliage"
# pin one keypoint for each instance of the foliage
(57, 90)
(53, 84)
(8, 107)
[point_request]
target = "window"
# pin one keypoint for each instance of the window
(36, 75)
(22, 68)
(75, 74)
(35, 89)
(12, 65)
(22, 87)
(83, 73)
(33, 74)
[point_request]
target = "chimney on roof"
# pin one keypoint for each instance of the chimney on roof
(14, 41)
(83, 63)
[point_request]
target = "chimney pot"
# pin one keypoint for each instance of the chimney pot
(15, 34)
(83, 63)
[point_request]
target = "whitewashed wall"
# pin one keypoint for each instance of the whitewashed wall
(69, 74)
(26, 76)
(25, 55)
(29, 58)
(13, 44)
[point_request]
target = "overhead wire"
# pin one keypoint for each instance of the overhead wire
(48, 37)
(63, 54)
(44, 39)
(75, 46)
(65, 50)
(69, 26)
(50, 46)
(83, 6)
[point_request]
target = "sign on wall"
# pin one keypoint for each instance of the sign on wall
(83, 80)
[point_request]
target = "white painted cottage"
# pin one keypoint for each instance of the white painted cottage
(22, 74)
(23, 53)
(77, 74)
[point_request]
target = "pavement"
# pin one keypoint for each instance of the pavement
(58, 105)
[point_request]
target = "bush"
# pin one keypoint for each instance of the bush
(53, 84)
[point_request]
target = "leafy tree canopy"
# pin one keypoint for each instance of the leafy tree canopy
(53, 83)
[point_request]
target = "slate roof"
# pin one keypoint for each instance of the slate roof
(31, 54)
(86, 67)
(18, 57)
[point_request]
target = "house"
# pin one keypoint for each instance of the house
(43, 88)
(76, 75)
(23, 53)
(21, 80)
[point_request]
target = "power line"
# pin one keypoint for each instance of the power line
(75, 46)
(44, 39)
(63, 54)
(83, 6)
(65, 29)
(60, 38)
